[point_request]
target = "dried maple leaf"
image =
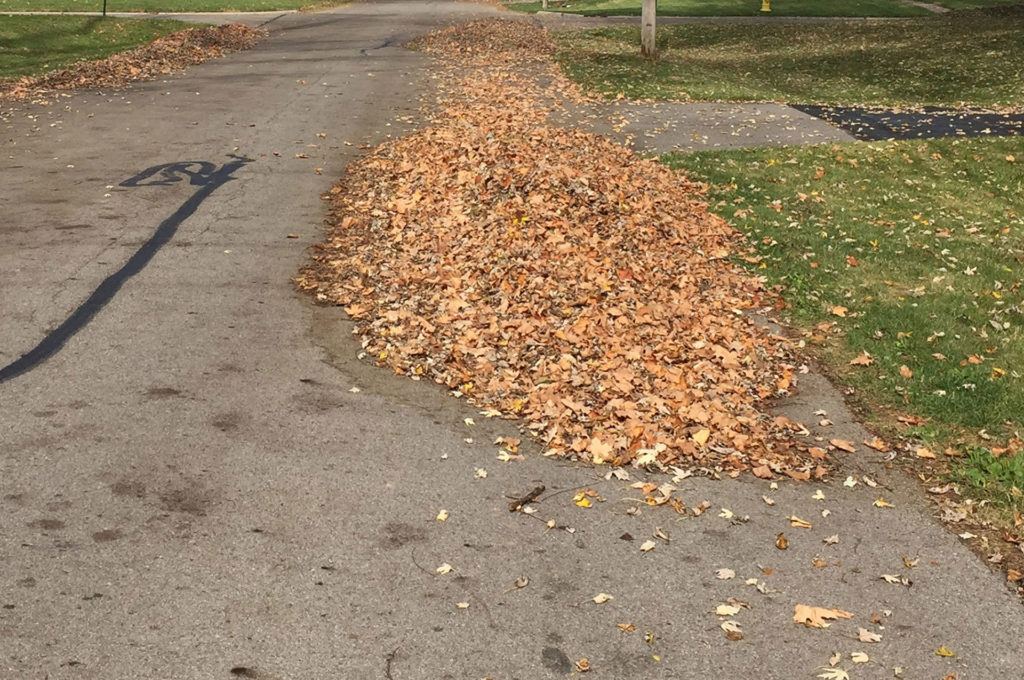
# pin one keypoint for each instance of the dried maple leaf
(815, 617)
(863, 360)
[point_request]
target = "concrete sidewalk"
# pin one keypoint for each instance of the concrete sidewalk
(207, 482)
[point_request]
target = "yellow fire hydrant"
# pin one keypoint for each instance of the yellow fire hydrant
(766, 6)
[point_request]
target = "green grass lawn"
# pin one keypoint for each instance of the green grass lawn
(31, 45)
(971, 58)
(922, 243)
(784, 8)
(160, 5)
(809, 8)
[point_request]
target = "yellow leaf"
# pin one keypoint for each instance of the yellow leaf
(581, 500)
(442, 516)
(702, 437)
(601, 598)
(942, 651)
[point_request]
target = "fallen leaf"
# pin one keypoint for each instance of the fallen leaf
(522, 582)
(882, 503)
(863, 360)
(942, 651)
(923, 452)
(462, 605)
(442, 516)
(601, 598)
(795, 521)
(583, 665)
(865, 635)
(815, 617)
(833, 674)
(647, 546)
(726, 610)
(626, 627)
(878, 445)
(843, 445)
(781, 542)
(906, 371)
(725, 574)
(839, 311)
(859, 657)
(444, 568)
(831, 540)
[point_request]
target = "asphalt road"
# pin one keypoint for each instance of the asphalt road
(190, 488)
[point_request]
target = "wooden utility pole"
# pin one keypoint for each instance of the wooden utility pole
(648, 19)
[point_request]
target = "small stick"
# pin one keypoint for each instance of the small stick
(520, 502)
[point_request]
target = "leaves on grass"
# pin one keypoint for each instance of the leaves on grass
(863, 360)
(169, 54)
(554, 276)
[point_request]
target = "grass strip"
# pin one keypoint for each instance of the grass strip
(32, 45)
(160, 5)
(905, 258)
(714, 8)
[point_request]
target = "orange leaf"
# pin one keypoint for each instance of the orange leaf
(863, 360)
(843, 445)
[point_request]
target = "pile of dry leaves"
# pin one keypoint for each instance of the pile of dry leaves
(551, 275)
(169, 54)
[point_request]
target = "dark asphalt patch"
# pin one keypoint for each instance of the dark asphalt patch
(928, 123)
